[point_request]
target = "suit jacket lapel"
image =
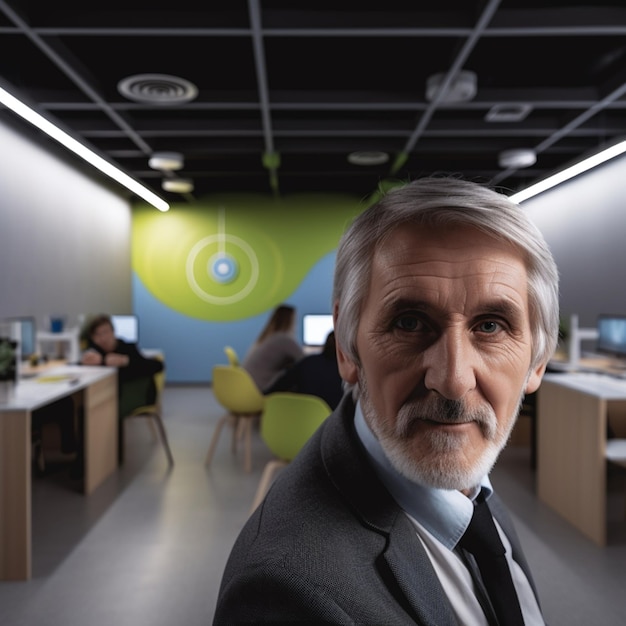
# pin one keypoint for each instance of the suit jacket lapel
(404, 564)
(414, 574)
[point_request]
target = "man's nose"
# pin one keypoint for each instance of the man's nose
(450, 364)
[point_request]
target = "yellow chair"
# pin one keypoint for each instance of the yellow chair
(233, 359)
(237, 392)
(287, 423)
(153, 413)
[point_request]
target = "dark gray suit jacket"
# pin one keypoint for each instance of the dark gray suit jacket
(330, 545)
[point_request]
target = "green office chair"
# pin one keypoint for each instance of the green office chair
(237, 392)
(153, 413)
(233, 359)
(287, 423)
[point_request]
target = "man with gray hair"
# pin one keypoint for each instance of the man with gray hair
(445, 304)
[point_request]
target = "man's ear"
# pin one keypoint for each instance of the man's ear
(534, 378)
(347, 367)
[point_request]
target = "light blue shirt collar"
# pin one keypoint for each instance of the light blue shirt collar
(444, 513)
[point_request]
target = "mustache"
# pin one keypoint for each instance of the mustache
(443, 411)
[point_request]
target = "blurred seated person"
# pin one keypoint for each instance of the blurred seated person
(135, 372)
(315, 374)
(275, 349)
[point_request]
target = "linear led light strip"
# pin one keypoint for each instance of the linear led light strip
(570, 172)
(82, 151)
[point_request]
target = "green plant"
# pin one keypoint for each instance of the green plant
(8, 359)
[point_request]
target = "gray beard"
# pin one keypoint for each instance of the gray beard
(444, 466)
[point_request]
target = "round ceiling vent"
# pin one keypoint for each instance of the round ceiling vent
(157, 89)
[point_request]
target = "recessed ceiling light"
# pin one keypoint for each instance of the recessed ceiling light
(166, 161)
(519, 157)
(177, 185)
(372, 157)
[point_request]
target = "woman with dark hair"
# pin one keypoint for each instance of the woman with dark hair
(275, 349)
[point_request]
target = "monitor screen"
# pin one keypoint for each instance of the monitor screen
(28, 335)
(315, 329)
(126, 327)
(612, 335)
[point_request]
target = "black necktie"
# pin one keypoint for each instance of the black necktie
(482, 540)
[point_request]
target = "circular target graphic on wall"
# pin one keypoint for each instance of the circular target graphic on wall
(222, 269)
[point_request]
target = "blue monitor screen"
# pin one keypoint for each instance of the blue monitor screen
(126, 327)
(28, 334)
(612, 334)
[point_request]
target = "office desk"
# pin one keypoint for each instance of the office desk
(97, 390)
(571, 439)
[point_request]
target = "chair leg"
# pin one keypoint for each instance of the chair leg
(247, 426)
(266, 480)
(216, 434)
(158, 422)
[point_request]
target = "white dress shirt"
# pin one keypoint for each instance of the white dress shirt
(440, 517)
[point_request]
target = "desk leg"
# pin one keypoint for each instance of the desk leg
(15, 495)
(571, 468)
(101, 424)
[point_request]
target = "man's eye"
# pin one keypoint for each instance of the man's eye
(409, 322)
(489, 326)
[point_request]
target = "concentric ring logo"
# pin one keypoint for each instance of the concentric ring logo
(222, 267)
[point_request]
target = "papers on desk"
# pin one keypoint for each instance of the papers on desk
(58, 378)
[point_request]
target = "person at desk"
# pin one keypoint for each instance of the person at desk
(135, 372)
(315, 374)
(445, 305)
(275, 349)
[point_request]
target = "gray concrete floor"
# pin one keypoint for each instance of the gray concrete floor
(149, 546)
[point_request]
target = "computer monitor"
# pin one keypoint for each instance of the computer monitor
(315, 329)
(28, 335)
(126, 327)
(612, 335)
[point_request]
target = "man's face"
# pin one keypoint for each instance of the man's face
(445, 346)
(104, 337)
